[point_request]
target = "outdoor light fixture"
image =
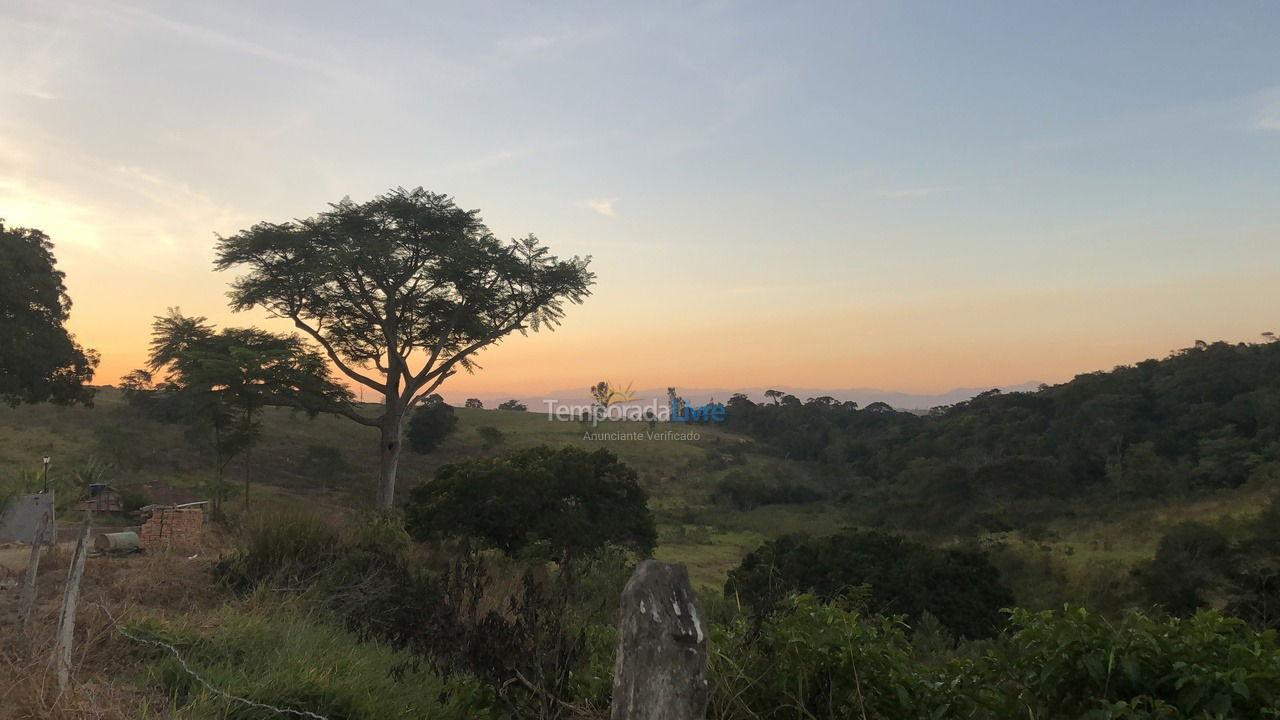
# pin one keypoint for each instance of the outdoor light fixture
(46, 473)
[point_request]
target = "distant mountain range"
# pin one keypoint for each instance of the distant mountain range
(862, 396)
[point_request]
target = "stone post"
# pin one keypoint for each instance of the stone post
(661, 670)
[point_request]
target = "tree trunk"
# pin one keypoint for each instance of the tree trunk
(389, 456)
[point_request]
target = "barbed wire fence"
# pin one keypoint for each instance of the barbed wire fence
(199, 678)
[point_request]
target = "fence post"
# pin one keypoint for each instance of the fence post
(30, 578)
(71, 598)
(661, 668)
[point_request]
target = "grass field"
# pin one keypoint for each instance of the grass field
(331, 462)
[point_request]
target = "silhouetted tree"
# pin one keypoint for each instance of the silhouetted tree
(513, 404)
(39, 360)
(401, 292)
(474, 404)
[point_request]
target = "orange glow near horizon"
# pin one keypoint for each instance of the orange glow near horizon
(922, 344)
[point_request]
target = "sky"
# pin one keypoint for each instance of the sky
(911, 196)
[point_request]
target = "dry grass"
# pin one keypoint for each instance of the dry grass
(105, 665)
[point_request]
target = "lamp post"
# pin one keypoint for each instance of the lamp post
(46, 473)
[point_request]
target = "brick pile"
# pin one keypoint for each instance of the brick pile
(172, 527)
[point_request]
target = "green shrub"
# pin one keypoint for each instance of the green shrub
(490, 437)
(543, 502)
(290, 659)
(813, 660)
(744, 491)
(961, 588)
(133, 499)
(1073, 663)
(429, 425)
(291, 548)
(323, 465)
(1191, 562)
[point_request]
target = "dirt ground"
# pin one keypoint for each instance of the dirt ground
(104, 662)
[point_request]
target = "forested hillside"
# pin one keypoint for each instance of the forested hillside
(1205, 418)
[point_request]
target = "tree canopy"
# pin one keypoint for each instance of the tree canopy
(551, 503)
(39, 360)
(401, 292)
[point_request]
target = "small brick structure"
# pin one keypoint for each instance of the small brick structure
(172, 527)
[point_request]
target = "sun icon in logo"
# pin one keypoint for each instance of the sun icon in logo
(607, 393)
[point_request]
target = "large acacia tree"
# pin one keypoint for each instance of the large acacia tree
(39, 360)
(401, 292)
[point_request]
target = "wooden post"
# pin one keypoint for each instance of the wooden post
(661, 667)
(71, 598)
(33, 568)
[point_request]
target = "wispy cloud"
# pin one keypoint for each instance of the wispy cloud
(903, 193)
(1267, 116)
(604, 207)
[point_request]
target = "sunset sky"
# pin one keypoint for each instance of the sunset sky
(912, 196)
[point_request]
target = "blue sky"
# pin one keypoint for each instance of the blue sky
(909, 195)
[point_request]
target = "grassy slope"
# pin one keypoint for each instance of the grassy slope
(156, 459)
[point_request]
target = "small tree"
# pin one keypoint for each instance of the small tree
(223, 379)
(548, 503)
(401, 292)
(600, 393)
(513, 404)
(39, 360)
(430, 425)
(474, 404)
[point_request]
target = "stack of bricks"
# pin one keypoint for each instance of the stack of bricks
(172, 527)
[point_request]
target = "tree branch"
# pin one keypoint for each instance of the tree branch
(333, 355)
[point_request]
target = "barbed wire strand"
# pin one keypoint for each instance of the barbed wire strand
(208, 686)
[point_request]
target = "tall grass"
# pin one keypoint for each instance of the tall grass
(288, 657)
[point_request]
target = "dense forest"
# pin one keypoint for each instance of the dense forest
(1206, 417)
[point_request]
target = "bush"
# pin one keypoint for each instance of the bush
(1076, 664)
(323, 465)
(542, 502)
(743, 491)
(812, 660)
(430, 425)
(292, 548)
(490, 437)
(1192, 560)
(959, 587)
(133, 499)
